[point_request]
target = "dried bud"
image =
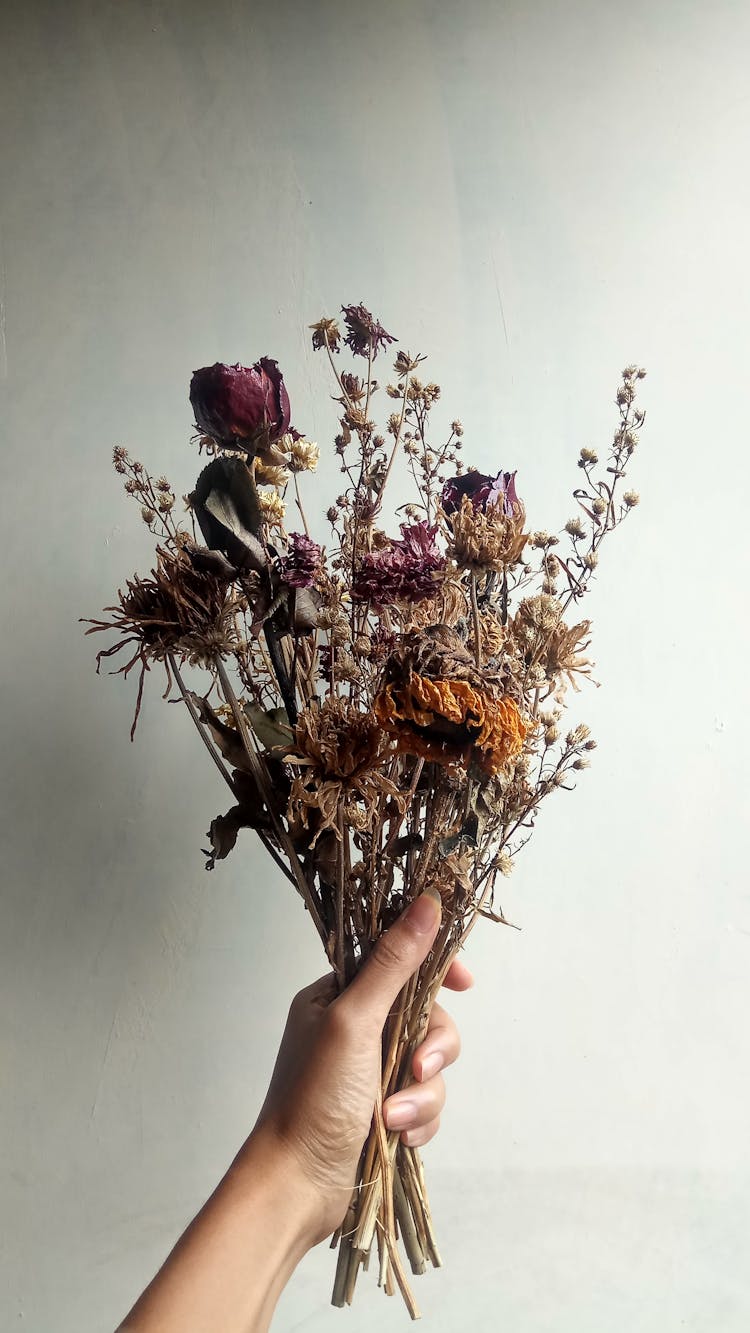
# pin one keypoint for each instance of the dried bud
(326, 333)
(239, 405)
(575, 529)
(631, 499)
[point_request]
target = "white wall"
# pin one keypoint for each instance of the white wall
(535, 194)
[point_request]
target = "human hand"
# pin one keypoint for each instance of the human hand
(326, 1079)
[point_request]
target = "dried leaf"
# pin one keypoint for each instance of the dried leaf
(227, 738)
(225, 503)
(271, 727)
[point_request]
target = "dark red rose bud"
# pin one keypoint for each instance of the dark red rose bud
(484, 492)
(236, 405)
(477, 485)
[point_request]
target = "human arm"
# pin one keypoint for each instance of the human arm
(290, 1184)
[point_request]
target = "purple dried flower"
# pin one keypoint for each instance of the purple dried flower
(483, 490)
(302, 562)
(403, 569)
(237, 404)
(364, 331)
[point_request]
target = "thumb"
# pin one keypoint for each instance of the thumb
(397, 954)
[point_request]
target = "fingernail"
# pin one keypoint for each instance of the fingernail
(431, 1064)
(424, 911)
(400, 1115)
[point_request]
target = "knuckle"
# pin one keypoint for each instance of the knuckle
(386, 955)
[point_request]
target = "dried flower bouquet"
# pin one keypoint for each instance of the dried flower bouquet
(386, 712)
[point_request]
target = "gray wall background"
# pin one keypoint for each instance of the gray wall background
(534, 194)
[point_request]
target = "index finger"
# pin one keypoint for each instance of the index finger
(458, 977)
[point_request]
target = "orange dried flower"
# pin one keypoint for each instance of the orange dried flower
(449, 721)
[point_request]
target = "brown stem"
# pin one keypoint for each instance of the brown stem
(260, 775)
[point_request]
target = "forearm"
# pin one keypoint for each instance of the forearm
(227, 1271)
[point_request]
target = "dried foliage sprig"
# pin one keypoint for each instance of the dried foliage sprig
(387, 709)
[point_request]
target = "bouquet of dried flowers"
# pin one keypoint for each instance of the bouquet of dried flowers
(386, 711)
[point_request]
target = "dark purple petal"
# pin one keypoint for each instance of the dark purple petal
(302, 562)
(364, 332)
(503, 492)
(476, 485)
(238, 403)
(483, 490)
(401, 570)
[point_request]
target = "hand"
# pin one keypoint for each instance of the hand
(325, 1082)
(290, 1184)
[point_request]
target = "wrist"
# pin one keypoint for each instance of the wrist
(268, 1166)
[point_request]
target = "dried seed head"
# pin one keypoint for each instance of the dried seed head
(575, 528)
(631, 499)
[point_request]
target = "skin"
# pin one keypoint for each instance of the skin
(289, 1186)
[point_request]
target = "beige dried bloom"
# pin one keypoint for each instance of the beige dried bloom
(589, 456)
(272, 507)
(504, 864)
(578, 734)
(304, 456)
(631, 499)
(575, 528)
(271, 474)
(486, 541)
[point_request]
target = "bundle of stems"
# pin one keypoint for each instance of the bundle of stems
(386, 712)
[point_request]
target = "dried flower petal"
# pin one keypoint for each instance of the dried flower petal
(240, 405)
(404, 569)
(364, 333)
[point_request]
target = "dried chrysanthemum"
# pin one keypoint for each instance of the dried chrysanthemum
(340, 753)
(482, 541)
(365, 335)
(303, 454)
(272, 508)
(178, 610)
(544, 640)
(448, 604)
(400, 570)
(271, 474)
(439, 706)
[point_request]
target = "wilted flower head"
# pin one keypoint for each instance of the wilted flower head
(364, 332)
(302, 454)
(403, 569)
(239, 406)
(489, 538)
(302, 561)
(181, 610)
(484, 491)
(272, 508)
(439, 706)
(326, 332)
(339, 754)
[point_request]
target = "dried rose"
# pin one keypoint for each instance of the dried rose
(236, 405)
(484, 491)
